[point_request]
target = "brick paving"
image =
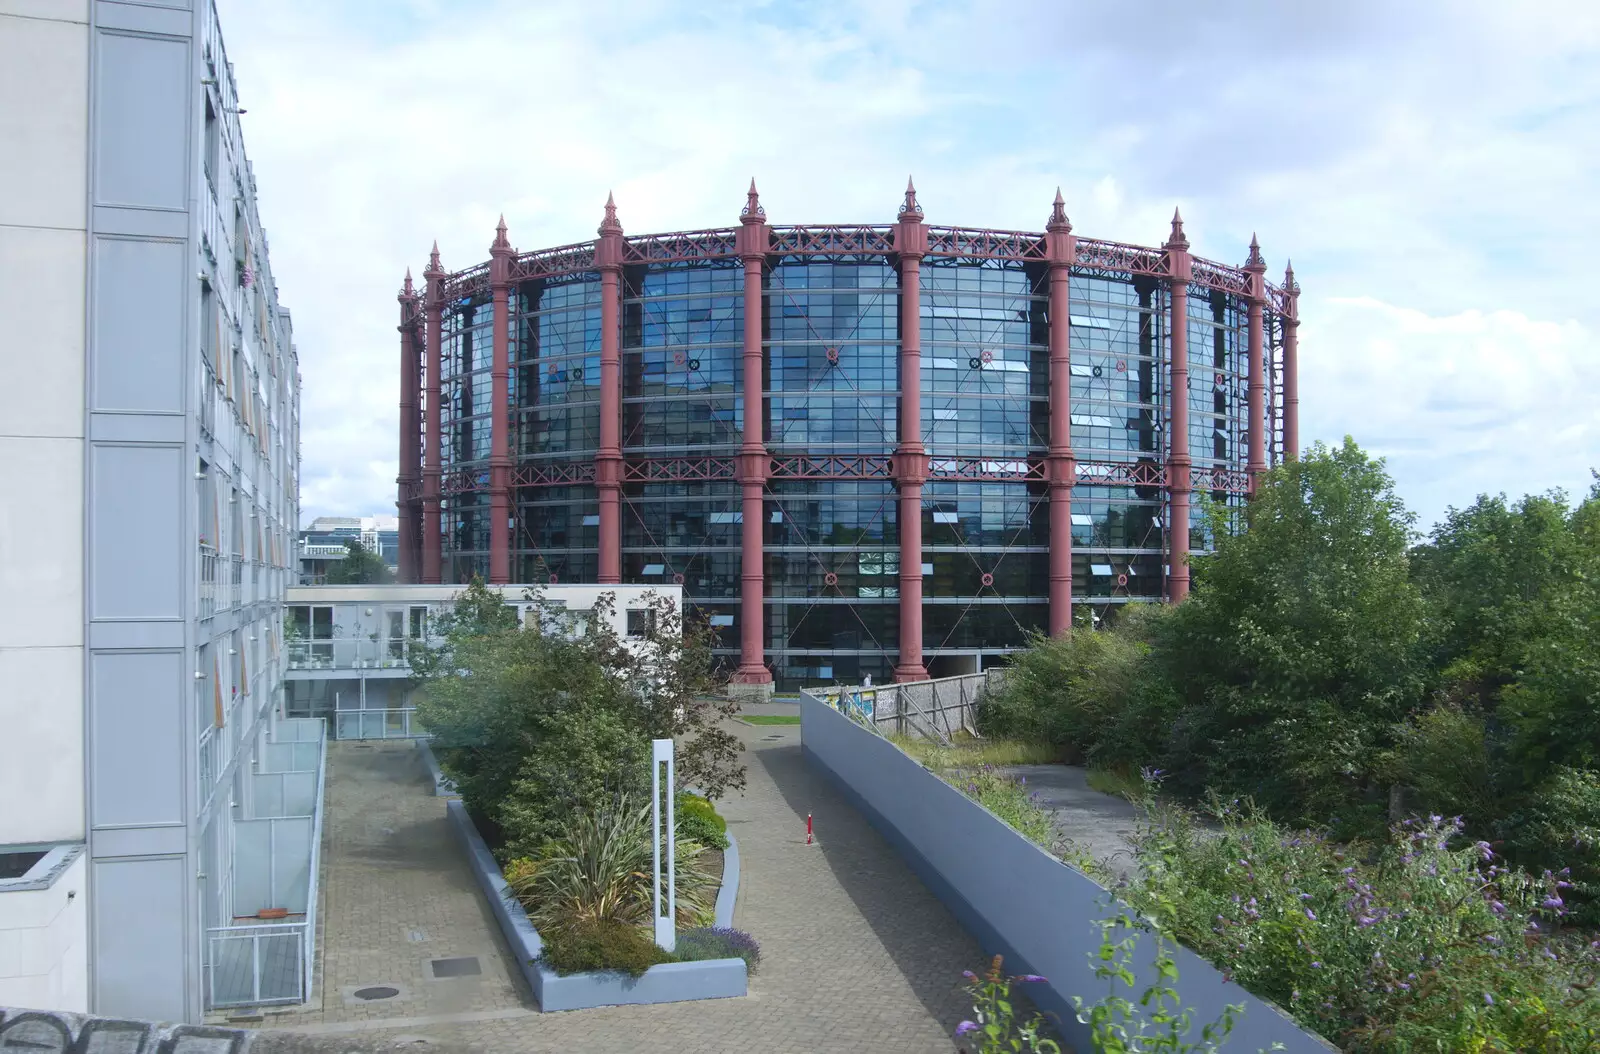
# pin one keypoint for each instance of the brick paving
(857, 954)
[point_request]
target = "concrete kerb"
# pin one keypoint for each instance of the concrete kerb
(1016, 899)
(667, 983)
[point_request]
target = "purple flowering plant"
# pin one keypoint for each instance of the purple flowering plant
(1385, 946)
(994, 1025)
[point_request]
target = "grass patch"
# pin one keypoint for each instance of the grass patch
(770, 719)
(966, 752)
(1117, 783)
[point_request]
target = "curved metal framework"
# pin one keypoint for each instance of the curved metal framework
(952, 417)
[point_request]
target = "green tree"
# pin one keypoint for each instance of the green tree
(535, 724)
(360, 567)
(1300, 648)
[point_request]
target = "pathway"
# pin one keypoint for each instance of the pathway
(1101, 825)
(857, 954)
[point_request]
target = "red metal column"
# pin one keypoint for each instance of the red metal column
(753, 460)
(910, 460)
(500, 420)
(432, 542)
(1257, 456)
(1291, 366)
(410, 432)
(608, 462)
(1179, 267)
(1062, 467)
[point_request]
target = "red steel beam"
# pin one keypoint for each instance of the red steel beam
(432, 541)
(1291, 365)
(410, 432)
(500, 417)
(608, 462)
(1256, 458)
(1063, 252)
(754, 463)
(1178, 484)
(911, 460)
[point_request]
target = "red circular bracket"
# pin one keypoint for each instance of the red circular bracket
(1122, 580)
(677, 579)
(987, 356)
(833, 356)
(987, 579)
(830, 579)
(677, 358)
(554, 579)
(1122, 365)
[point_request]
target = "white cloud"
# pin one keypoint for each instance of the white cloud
(1419, 161)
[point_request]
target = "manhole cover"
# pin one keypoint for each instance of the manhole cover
(466, 966)
(381, 991)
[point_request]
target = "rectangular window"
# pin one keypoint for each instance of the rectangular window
(641, 623)
(418, 624)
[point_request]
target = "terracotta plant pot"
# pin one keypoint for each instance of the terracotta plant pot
(272, 913)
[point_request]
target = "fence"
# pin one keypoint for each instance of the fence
(936, 709)
(393, 723)
(276, 860)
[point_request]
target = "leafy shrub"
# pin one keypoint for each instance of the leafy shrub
(1111, 1018)
(601, 944)
(599, 870)
(718, 942)
(1559, 829)
(1414, 944)
(994, 1027)
(698, 819)
(1444, 754)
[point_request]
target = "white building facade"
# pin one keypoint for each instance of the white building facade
(149, 432)
(350, 647)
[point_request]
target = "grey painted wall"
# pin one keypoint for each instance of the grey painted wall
(139, 586)
(1013, 897)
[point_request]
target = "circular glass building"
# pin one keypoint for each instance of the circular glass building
(954, 438)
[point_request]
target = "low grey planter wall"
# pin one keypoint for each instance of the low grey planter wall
(667, 983)
(442, 786)
(1016, 899)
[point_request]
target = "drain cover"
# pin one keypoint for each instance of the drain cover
(467, 966)
(381, 991)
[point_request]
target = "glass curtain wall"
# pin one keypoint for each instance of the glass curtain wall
(466, 420)
(682, 371)
(832, 546)
(555, 413)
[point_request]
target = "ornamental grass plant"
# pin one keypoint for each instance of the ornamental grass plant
(1425, 941)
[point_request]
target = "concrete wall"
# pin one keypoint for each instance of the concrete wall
(43, 934)
(1016, 899)
(44, 112)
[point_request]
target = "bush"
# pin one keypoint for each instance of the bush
(1416, 944)
(599, 871)
(718, 942)
(1444, 754)
(601, 944)
(698, 820)
(1559, 829)
(1007, 797)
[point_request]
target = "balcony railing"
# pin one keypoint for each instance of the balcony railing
(395, 723)
(352, 654)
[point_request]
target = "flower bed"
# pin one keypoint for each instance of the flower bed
(665, 983)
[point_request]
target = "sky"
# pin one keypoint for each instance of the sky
(1432, 169)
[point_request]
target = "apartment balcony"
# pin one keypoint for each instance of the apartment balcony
(339, 657)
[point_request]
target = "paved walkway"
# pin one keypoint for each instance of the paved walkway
(1101, 825)
(857, 954)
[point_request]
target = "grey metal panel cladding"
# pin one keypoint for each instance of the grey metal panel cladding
(142, 124)
(137, 325)
(136, 535)
(138, 917)
(137, 755)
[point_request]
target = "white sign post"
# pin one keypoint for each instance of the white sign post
(663, 778)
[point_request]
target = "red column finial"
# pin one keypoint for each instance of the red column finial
(1177, 240)
(610, 224)
(1061, 464)
(1058, 215)
(408, 289)
(909, 207)
(433, 260)
(754, 462)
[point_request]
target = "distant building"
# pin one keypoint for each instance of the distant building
(324, 543)
(151, 800)
(350, 647)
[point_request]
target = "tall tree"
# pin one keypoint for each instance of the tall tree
(360, 567)
(1300, 647)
